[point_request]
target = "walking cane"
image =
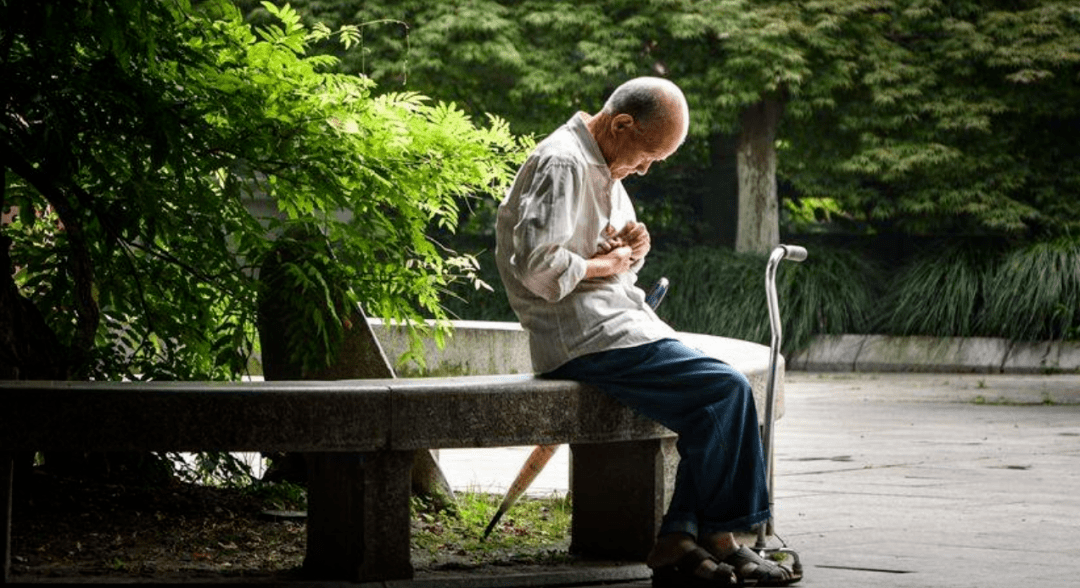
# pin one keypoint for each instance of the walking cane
(541, 455)
(780, 253)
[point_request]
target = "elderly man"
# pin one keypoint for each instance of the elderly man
(568, 250)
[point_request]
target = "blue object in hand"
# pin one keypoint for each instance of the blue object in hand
(656, 293)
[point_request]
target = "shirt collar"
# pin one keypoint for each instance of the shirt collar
(589, 146)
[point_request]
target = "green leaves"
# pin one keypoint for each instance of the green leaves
(293, 35)
(1034, 294)
(1029, 293)
(937, 131)
(171, 160)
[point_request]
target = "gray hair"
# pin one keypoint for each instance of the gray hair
(643, 99)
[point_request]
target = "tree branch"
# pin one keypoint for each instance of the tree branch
(82, 266)
(3, 185)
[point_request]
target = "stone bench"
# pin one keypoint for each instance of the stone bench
(360, 435)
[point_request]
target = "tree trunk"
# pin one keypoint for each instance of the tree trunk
(29, 350)
(720, 207)
(759, 222)
(359, 356)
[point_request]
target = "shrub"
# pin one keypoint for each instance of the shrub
(720, 292)
(1028, 293)
(939, 293)
(1034, 293)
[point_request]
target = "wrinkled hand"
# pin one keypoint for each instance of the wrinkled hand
(636, 236)
(619, 251)
(609, 263)
(609, 245)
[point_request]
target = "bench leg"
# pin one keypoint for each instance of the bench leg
(7, 470)
(358, 516)
(619, 493)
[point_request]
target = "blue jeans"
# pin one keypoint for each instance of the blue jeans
(720, 485)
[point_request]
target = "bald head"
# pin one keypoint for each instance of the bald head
(644, 121)
(651, 101)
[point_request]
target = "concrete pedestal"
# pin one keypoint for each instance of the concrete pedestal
(358, 516)
(620, 492)
(7, 464)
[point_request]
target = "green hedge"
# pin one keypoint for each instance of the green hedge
(1035, 293)
(719, 292)
(1027, 293)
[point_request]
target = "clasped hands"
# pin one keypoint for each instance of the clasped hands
(620, 250)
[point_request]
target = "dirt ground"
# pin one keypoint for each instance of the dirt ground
(68, 529)
(65, 528)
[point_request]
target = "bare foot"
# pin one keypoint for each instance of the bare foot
(721, 544)
(670, 550)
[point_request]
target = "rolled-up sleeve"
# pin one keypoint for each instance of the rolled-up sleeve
(544, 261)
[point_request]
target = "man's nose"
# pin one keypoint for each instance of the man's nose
(643, 168)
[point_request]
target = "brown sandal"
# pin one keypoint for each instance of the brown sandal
(683, 573)
(755, 570)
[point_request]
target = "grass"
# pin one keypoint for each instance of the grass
(1030, 293)
(981, 400)
(720, 292)
(1034, 294)
(938, 294)
(534, 530)
(279, 495)
(1023, 293)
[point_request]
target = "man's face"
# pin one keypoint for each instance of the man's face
(636, 148)
(639, 150)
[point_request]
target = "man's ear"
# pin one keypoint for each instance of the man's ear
(622, 122)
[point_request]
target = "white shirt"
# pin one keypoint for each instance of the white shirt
(550, 222)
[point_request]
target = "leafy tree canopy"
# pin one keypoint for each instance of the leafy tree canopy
(135, 137)
(924, 115)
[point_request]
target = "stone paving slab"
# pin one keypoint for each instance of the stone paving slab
(953, 494)
(929, 480)
(943, 387)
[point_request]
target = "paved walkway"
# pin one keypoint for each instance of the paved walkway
(903, 480)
